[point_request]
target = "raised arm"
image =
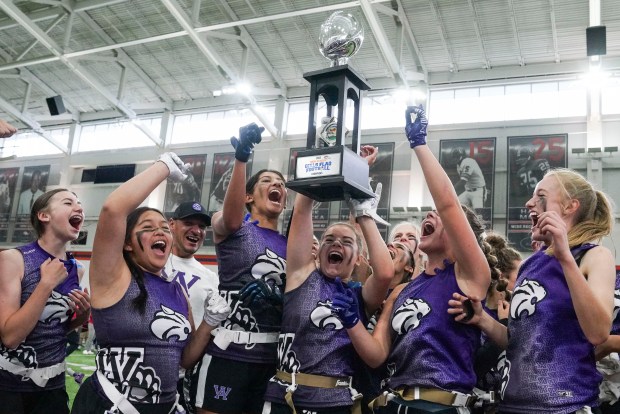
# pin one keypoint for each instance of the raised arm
(109, 275)
(299, 260)
(6, 129)
(472, 270)
(230, 218)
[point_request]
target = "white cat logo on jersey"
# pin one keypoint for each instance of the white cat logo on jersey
(525, 298)
(503, 368)
(169, 324)
(287, 360)
(269, 266)
(322, 317)
(409, 315)
(22, 355)
(57, 307)
(124, 366)
(616, 304)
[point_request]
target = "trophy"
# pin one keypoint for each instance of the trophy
(327, 170)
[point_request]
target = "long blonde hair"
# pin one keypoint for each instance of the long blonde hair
(594, 218)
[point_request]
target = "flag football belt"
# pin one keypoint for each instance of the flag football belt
(120, 402)
(224, 337)
(39, 376)
(434, 395)
(318, 381)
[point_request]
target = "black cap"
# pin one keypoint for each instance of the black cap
(189, 209)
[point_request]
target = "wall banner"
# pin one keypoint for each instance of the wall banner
(529, 158)
(188, 190)
(34, 184)
(8, 184)
(470, 164)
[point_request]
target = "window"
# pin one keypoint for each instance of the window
(118, 135)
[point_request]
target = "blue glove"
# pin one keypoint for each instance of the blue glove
(416, 130)
(249, 136)
(258, 290)
(344, 305)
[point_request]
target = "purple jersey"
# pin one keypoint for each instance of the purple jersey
(615, 325)
(45, 344)
(429, 348)
(549, 366)
(313, 341)
(140, 353)
(251, 253)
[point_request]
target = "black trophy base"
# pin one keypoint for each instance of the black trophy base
(352, 181)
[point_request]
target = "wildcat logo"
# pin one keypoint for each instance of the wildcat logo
(503, 368)
(409, 315)
(270, 266)
(525, 298)
(124, 367)
(23, 355)
(287, 360)
(168, 324)
(57, 308)
(322, 317)
(241, 319)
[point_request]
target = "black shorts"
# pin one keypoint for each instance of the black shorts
(277, 408)
(226, 386)
(37, 402)
(88, 401)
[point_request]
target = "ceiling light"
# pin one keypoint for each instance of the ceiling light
(244, 88)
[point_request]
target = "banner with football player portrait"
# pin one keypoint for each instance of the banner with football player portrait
(529, 158)
(8, 183)
(320, 210)
(220, 178)
(188, 190)
(34, 184)
(470, 164)
(380, 172)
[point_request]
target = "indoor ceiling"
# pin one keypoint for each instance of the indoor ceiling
(123, 58)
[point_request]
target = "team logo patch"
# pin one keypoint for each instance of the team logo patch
(168, 325)
(322, 317)
(221, 392)
(409, 315)
(525, 298)
(23, 355)
(57, 308)
(269, 266)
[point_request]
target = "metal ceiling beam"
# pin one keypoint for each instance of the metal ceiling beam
(415, 53)
(515, 30)
(485, 56)
(45, 40)
(444, 36)
(31, 123)
(382, 40)
(554, 32)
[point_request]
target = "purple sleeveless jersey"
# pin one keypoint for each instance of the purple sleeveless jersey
(251, 253)
(615, 325)
(45, 344)
(313, 341)
(429, 349)
(141, 353)
(549, 366)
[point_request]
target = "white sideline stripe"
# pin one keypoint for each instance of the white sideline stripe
(86, 367)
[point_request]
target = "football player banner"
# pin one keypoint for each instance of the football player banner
(8, 183)
(34, 183)
(470, 164)
(529, 158)
(220, 178)
(320, 210)
(380, 172)
(188, 190)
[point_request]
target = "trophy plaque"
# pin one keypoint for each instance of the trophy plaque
(327, 170)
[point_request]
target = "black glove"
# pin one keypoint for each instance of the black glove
(258, 290)
(249, 136)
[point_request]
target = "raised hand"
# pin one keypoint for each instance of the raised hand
(249, 136)
(466, 310)
(344, 305)
(6, 129)
(369, 153)
(553, 231)
(416, 130)
(367, 207)
(216, 309)
(257, 290)
(178, 170)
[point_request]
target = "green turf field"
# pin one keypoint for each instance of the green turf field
(79, 363)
